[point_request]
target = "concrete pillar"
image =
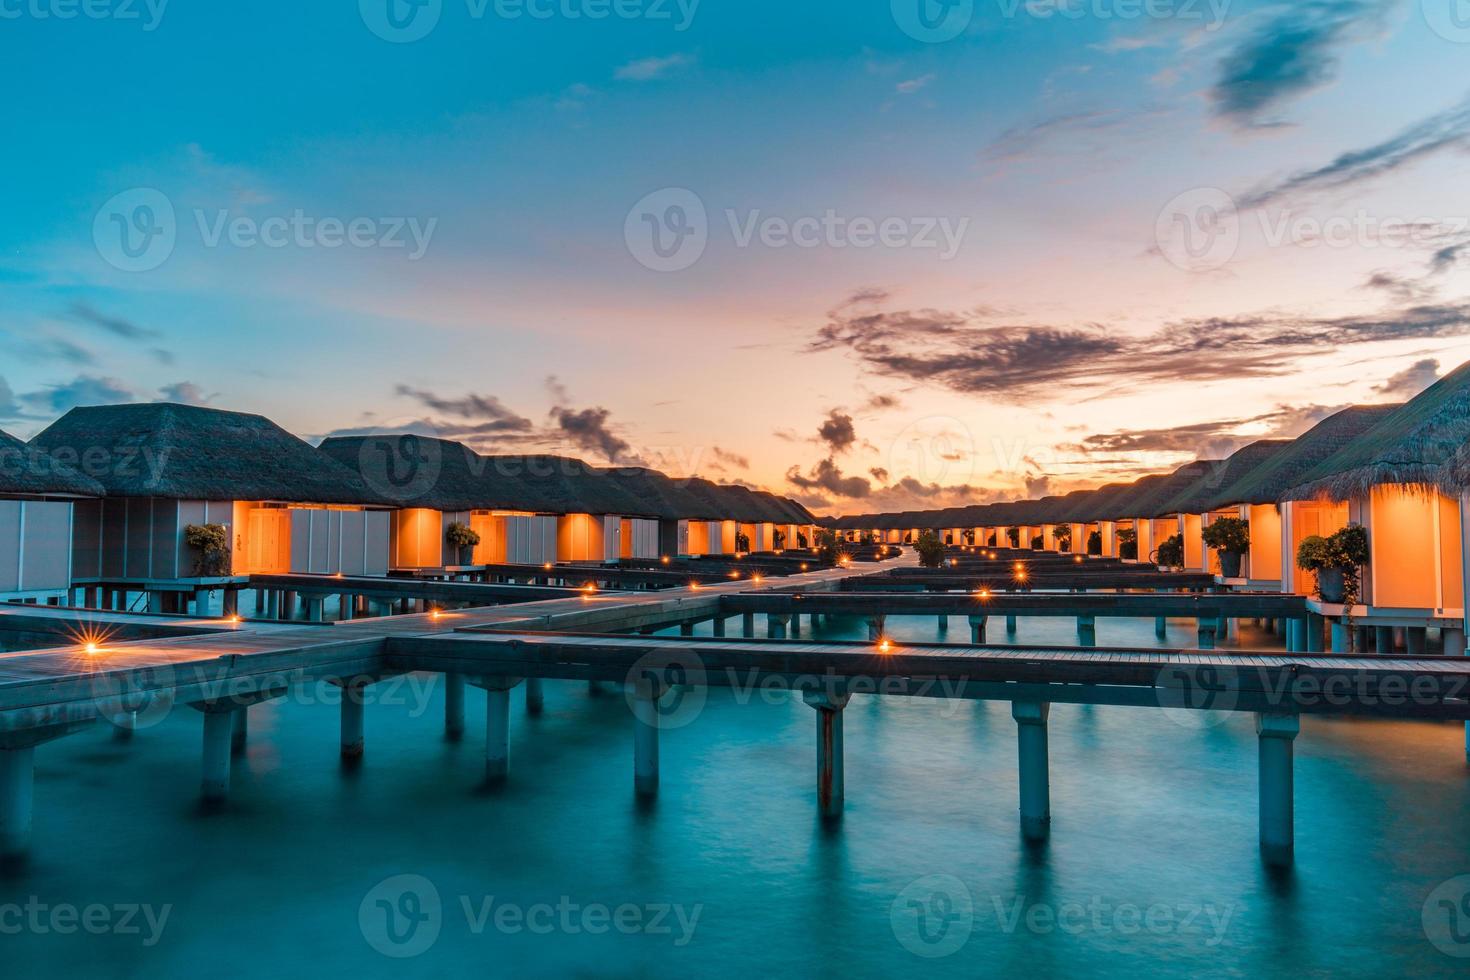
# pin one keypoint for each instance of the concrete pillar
(346, 607)
(776, 626)
(219, 729)
(1276, 735)
(288, 605)
(273, 604)
(1454, 642)
(830, 788)
(796, 626)
(260, 602)
(1339, 636)
(17, 791)
(747, 625)
(454, 707)
(352, 718)
(876, 626)
(686, 628)
(1296, 633)
(240, 730)
(230, 604)
(497, 735)
(535, 696)
(717, 626)
(1087, 631)
(1416, 638)
(646, 692)
(1314, 628)
(1010, 626)
(977, 629)
(155, 603)
(315, 609)
(1207, 628)
(1161, 627)
(943, 625)
(1031, 718)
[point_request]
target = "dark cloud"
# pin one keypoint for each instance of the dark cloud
(1401, 288)
(83, 390)
(10, 407)
(115, 325)
(65, 350)
(879, 473)
(1038, 486)
(1287, 54)
(1411, 380)
(1449, 129)
(828, 477)
(588, 429)
(882, 403)
(732, 459)
(487, 412)
(1445, 257)
(1207, 440)
(1016, 363)
(837, 431)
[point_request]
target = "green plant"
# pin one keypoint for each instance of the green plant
(801, 541)
(1170, 552)
(1229, 534)
(1038, 542)
(1128, 543)
(969, 535)
(830, 549)
(1094, 543)
(212, 541)
(742, 542)
(930, 549)
(1345, 551)
(461, 536)
(1013, 534)
(1313, 554)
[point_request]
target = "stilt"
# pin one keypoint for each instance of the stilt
(497, 735)
(288, 605)
(240, 730)
(345, 607)
(747, 625)
(155, 603)
(1416, 638)
(977, 629)
(1010, 626)
(1207, 629)
(1161, 627)
(646, 693)
(1031, 718)
(1276, 735)
(717, 626)
(830, 788)
(230, 603)
(1339, 636)
(943, 625)
(316, 609)
(352, 717)
(776, 626)
(1454, 642)
(219, 728)
(686, 628)
(1315, 625)
(454, 707)
(17, 791)
(876, 626)
(273, 604)
(535, 696)
(1087, 631)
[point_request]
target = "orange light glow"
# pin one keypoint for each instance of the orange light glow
(547, 566)
(803, 566)
(665, 559)
(93, 649)
(757, 578)
(435, 614)
(589, 588)
(983, 593)
(734, 574)
(693, 586)
(884, 646)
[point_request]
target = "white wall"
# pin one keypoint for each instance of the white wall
(35, 546)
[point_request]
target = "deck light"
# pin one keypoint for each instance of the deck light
(93, 649)
(884, 646)
(665, 559)
(757, 578)
(803, 566)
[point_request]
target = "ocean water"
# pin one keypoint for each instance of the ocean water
(409, 865)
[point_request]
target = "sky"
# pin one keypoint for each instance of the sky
(872, 254)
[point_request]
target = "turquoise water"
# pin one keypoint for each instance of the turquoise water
(1152, 866)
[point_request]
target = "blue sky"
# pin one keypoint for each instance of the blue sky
(494, 292)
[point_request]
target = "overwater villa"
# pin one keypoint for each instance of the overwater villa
(1200, 503)
(37, 495)
(284, 506)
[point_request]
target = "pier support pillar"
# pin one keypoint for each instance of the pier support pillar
(1454, 642)
(977, 629)
(219, 729)
(352, 720)
(240, 731)
(686, 628)
(717, 626)
(454, 707)
(535, 696)
(315, 609)
(497, 726)
(1031, 718)
(273, 604)
(1087, 631)
(288, 605)
(747, 625)
(17, 789)
(1277, 734)
(1339, 636)
(1416, 638)
(1315, 626)
(776, 626)
(830, 789)
(1207, 628)
(1161, 627)
(230, 603)
(1010, 626)
(943, 625)
(876, 626)
(646, 692)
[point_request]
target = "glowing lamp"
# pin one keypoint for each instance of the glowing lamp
(884, 646)
(93, 649)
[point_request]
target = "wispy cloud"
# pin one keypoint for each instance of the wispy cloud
(648, 69)
(487, 412)
(185, 393)
(115, 325)
(912, 85)
(837, 431)
(80, 391)
(1411, 380)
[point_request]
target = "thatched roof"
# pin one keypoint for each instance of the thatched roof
(1413, 446)
(188, 452)
(30, 471)
(451, 477)
(1151, 496)
(1283, 470)
(1204, 495)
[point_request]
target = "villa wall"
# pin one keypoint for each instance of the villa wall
(35, 546)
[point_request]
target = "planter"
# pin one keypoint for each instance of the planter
(1230, 564)
(467, 555)
(1332, 585)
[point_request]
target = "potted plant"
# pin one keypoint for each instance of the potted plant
(801, 541)
(742, 542)
(463, 539)
(930, 549)
(1231, 537)
(1064, 537)
(1170, 553)
(1336, 561)
(212, 542)
(1038, 542)
(1128, 544)
(1013, 534)
(1094, 543)
(969, 535)
(778, 539)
